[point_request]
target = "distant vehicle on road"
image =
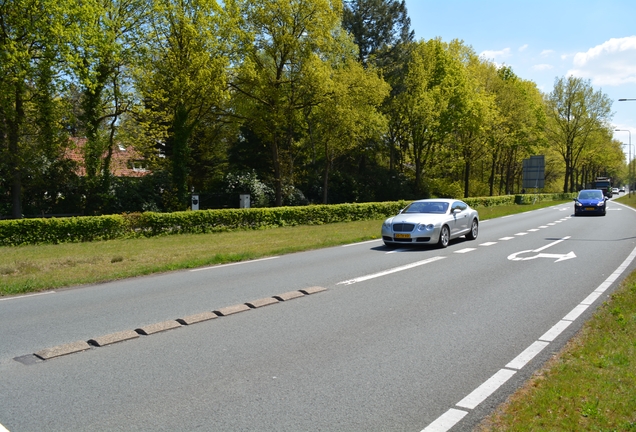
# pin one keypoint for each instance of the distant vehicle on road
(622, 189)
(431, 221)
(604, 184)
(614, 191)
(590, 201)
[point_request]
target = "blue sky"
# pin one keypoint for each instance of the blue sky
(542, 40)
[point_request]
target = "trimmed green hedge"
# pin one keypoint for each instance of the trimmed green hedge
(82, 229)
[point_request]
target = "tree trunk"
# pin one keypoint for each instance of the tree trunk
(467, 178)
(14, 155)
(181, 131)
(278, 181)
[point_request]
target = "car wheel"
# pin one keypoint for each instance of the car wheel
(474, 230)
(444, 237)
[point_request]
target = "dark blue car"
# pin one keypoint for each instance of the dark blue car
(590, 201)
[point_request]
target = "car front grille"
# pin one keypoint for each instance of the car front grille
(403, 227)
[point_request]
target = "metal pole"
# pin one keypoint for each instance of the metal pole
(629, 162)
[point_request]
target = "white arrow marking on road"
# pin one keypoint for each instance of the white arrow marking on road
(559, 257)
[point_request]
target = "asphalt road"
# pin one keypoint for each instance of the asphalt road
(385, 340)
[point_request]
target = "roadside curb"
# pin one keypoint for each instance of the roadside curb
(148, 330)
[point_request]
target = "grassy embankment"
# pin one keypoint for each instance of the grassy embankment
(26, 269)
(591, 384)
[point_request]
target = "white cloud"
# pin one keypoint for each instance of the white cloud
(547, 52)
(522, 48)
(542, 67)
(493, 55)
(612, 63)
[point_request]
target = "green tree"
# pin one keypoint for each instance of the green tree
(379, 27)
(574, 111)
(434, 87)
(286, 60)
(33, 35)
(104, 54)
(350, 114)
(183, 80)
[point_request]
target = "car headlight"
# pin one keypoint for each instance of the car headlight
(601, 204)
(425, 227)
(387, 223)
(578, 204)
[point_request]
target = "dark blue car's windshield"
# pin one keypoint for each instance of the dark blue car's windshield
(586, 195)
(427, 207)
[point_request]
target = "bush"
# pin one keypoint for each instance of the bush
(148, 224)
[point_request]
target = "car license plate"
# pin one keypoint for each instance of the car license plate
(403, 236)
(589, 208)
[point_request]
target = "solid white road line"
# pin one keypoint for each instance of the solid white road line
(361, 243)
(233, 264)
(23, 296)
(3, 429)
(393, 270)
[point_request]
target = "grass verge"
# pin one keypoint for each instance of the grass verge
(591, 384)
(25, 269)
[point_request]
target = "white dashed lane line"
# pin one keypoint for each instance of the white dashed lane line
(390, 271)
(480, 394)
(466, 250)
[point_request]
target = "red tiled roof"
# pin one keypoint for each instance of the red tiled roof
(125, 162)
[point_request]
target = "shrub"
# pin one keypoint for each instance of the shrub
(147, 224)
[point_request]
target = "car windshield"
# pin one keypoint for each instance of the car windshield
(593, 194)
(427, 207)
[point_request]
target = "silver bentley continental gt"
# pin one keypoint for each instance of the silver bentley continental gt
(431, 221)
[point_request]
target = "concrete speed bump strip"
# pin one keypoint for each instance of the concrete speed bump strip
(229, 310)
(262, 302)
(114, 338)
(289, 295)
(313, 290)
(61, 350)
(192, 319)
(158, 327)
